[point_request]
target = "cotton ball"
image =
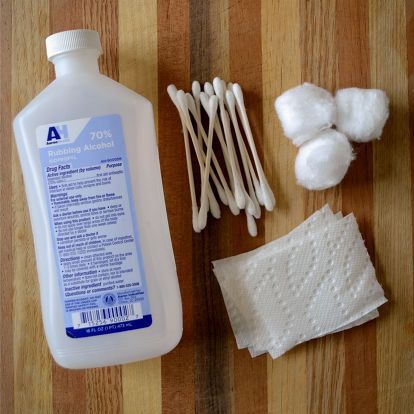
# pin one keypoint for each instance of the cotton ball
(362, 113)
(304, 111)
(323, 161)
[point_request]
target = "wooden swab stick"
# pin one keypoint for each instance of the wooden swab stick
(238, 191)
(267, 193)
(172, 92)
(202, 215)
(231, 105)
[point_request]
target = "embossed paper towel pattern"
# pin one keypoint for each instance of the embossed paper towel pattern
(316, 280)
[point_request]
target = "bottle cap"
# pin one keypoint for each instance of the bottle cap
(70, 40)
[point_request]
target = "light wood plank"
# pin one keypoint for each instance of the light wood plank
(104, 385)
(141, 381)
(103, 390)
(6, 214)
(325, 356)
(69, 386)
(286, 376)
(32, 361)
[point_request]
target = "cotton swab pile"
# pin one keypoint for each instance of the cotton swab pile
(242, 184)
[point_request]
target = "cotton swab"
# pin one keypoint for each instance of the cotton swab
(202, 215)
(251, 205)
(245, 185)
(227, 192)
(208, 89)
(231, 105)
(217, 128)
(256, 184)
(204, 98)
(238, 192)
(196, 89)
(182, 102)
(267, 194)
(251, 225)
(172, 91)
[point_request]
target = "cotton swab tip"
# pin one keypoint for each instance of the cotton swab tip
(172, 92)
(191, 103)
(196, 228)
(238, 94)
(259, 193)
(202, 216)
(182, 99)
(233, 207)
(230, 100)
(208, 89)
(251, 225)
(258, 213)
(196, 88)
(212, 105)
(222, 195)
(218, 88)
(239, 196)
(214, 208)
(204, 98)
(250, 207)
(267, 200)
(266, 190)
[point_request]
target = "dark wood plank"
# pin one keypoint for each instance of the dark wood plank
(213, 369)
(177, 367)
(250, 375)
(352, 22)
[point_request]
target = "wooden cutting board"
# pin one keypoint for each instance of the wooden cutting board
(267, 46)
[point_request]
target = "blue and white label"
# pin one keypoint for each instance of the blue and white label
(93, 224)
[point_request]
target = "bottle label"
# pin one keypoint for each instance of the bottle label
(93, 226)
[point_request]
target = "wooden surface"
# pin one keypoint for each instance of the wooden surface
(267, 46)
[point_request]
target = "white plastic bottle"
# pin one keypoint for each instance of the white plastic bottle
(88, 151)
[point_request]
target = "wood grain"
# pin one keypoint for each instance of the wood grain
(32, 361)
(267, 46)
(353, 62)
(392, 208)
(6, 214)
(178, 390)
(325, 356)
(213, 351)
(138, 70)
(245, 52)
(281, 68)
(69, 387)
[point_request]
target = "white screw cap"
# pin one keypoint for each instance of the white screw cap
(70, 40)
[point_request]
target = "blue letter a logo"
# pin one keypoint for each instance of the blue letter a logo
(56, 133)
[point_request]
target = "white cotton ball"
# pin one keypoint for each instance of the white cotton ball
(304, 111)
(323, 161)
(362, 113)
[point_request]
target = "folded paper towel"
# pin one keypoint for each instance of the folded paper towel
(316, 280)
